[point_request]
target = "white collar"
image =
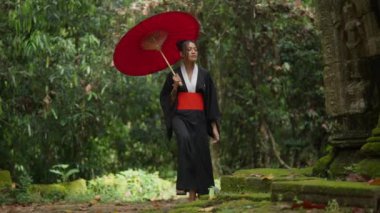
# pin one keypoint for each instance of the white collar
(190, 84)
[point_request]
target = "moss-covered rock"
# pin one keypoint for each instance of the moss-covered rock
(276, 173)
(376, 131)
(344, 159)
(244, 184)
(59, 190)
(369, 167)
(49, 191)
(322, 165)
(5, 179)
(371, 149)
(322, 191)
(76, 187)
(260, 180)
(373, 139)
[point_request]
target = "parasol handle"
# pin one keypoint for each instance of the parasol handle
(167, 62)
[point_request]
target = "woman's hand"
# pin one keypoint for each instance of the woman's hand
(176, 81)
(215, 132)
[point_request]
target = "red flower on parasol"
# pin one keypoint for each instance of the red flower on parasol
(150, 46)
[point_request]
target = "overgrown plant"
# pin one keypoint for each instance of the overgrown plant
(131, 185)
(63, 171)
(333, 207)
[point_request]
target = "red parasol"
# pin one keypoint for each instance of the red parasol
(150, 46)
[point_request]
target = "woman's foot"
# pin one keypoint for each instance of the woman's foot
(192, 196)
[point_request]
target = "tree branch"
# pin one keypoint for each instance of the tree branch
(273, 143)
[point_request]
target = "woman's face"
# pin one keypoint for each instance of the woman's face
(190, 52)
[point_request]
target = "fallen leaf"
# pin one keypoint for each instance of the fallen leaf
(355, 178)
(358, 210)
(208, 209)
(375, 181)
(308, 205)
(268, 177)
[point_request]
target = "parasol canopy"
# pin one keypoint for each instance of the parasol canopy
(150, 46)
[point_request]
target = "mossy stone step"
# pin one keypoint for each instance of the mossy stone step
(5, 179)
(322, 191)
(260, 180)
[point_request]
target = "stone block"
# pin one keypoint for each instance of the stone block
(244, 184)
(260, 180)
(322, 191)
(342, 160)
(76, 187)
(48, 190)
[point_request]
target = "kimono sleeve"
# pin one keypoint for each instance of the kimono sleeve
(211, 105)
(166, 104)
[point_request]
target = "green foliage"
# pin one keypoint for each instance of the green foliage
(266, 59)
(61, 99)
(333, 206)
(131, 185)
(19, 192)
(321, 166)
(369, 167)
(63, 171)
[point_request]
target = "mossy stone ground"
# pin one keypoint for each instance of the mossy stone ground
(260, 180)
(279, 180)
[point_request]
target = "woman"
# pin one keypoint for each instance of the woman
(191, 111)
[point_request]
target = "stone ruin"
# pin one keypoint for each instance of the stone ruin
(350, 36)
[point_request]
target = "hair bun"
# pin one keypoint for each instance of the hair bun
(180, 45)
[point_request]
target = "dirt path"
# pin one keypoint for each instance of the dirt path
(96, 208)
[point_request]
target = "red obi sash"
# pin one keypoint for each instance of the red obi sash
(190, 101)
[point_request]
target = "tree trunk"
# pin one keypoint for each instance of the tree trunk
(267, 134)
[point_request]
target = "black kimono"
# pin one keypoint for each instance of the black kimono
(192, 129)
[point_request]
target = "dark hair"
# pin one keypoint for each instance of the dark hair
(182, 44)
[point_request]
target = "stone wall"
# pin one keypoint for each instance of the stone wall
(350, 31)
